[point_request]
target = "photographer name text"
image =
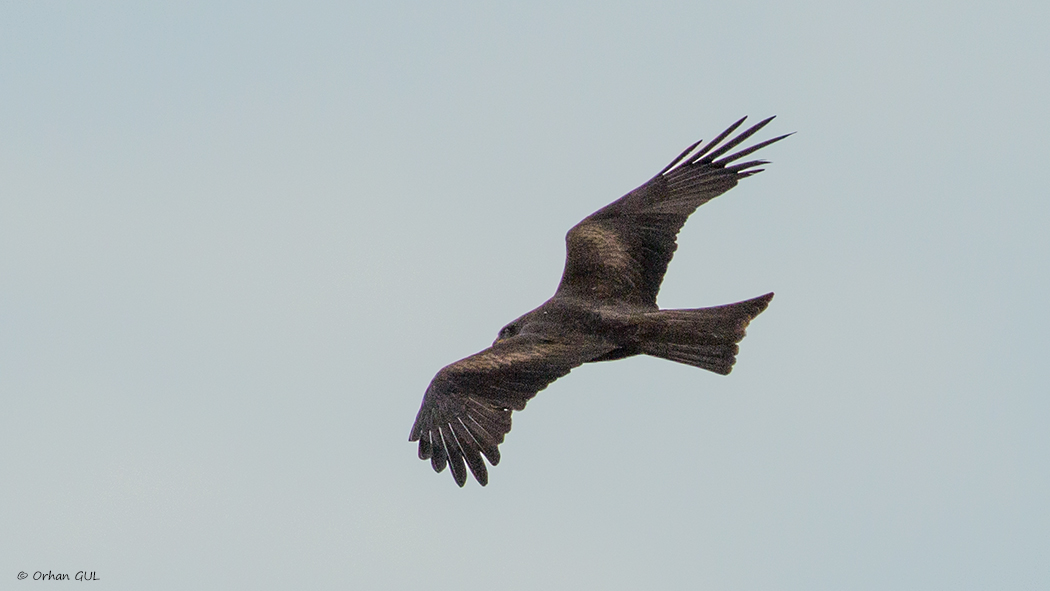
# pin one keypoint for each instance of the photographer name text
(82, 575)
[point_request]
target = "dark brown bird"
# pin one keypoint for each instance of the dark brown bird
(604, 309)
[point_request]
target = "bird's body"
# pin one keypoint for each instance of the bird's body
(604, 309)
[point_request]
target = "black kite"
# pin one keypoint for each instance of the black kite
(604, 309)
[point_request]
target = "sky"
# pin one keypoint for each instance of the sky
(237, 241)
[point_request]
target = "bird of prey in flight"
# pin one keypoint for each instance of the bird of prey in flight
(604, 309)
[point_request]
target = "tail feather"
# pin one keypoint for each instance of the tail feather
(702, 337)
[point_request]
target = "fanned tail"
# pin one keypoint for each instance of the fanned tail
(702, 337)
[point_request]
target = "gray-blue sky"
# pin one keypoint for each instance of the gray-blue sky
(237, 242)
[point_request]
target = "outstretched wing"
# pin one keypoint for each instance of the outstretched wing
(620, 252)
(466, 409)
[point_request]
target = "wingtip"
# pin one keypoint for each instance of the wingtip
(439, 463)
(692, 155)
(424, 450)
(459, 471)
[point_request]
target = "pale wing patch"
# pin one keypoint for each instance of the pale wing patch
(604, 246)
